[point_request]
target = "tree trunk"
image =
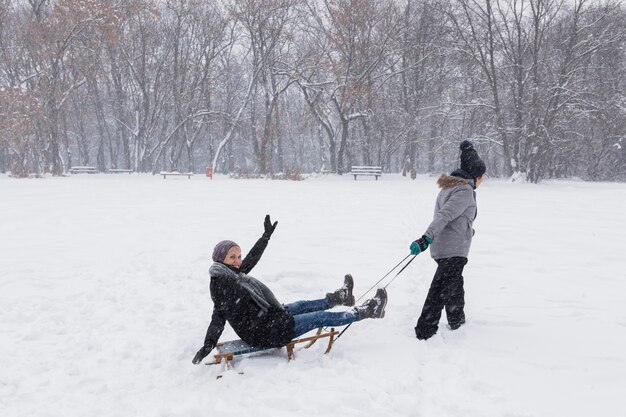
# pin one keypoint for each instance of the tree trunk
(345, 124)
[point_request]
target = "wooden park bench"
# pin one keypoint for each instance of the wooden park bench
(176, 174)
(366, 170)
(120, 171)
(83, 170)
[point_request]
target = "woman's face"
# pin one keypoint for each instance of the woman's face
(480, 180)
(233, 257)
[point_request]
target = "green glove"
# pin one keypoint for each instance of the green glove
(420, 245)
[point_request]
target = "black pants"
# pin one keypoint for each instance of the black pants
(446, 291)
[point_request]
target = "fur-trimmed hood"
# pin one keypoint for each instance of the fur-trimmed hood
(446, 181)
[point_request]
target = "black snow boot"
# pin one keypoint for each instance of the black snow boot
(343, 296)
(374, 308)
(425, 333)
(456, 325)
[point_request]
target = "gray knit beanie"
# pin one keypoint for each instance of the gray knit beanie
(221, 250)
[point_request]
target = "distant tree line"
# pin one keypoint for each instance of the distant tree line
(262, 87)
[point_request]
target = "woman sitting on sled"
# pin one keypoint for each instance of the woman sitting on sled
(255, 314)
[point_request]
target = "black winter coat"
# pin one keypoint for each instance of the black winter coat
(233, 303)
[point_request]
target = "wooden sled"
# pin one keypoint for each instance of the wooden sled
(226, 351)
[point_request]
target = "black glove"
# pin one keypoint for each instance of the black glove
(269, 227)
(202, 353)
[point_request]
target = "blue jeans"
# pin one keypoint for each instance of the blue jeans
(311, 314)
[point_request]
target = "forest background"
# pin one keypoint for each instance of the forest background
(284, 87)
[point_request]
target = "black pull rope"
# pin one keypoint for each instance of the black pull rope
(396, 276)
(403, 268)
(385, 276)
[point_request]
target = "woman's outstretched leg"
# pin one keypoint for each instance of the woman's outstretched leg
(304, 323)
(342, 296)
(373, 308)
(307, 306)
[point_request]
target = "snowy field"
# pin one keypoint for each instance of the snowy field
(104, 298)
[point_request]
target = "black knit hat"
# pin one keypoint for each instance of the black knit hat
(470, 161)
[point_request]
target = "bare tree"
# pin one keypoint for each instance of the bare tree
(18, 111)
(268, 26)
(354, 47)
(477, 27)
(266, 85)
(54, 42)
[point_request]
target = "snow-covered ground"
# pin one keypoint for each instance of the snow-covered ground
(104, 298)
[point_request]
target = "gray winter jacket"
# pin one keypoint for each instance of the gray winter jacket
(451, 229)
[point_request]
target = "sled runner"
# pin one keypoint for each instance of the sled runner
(226, 351)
